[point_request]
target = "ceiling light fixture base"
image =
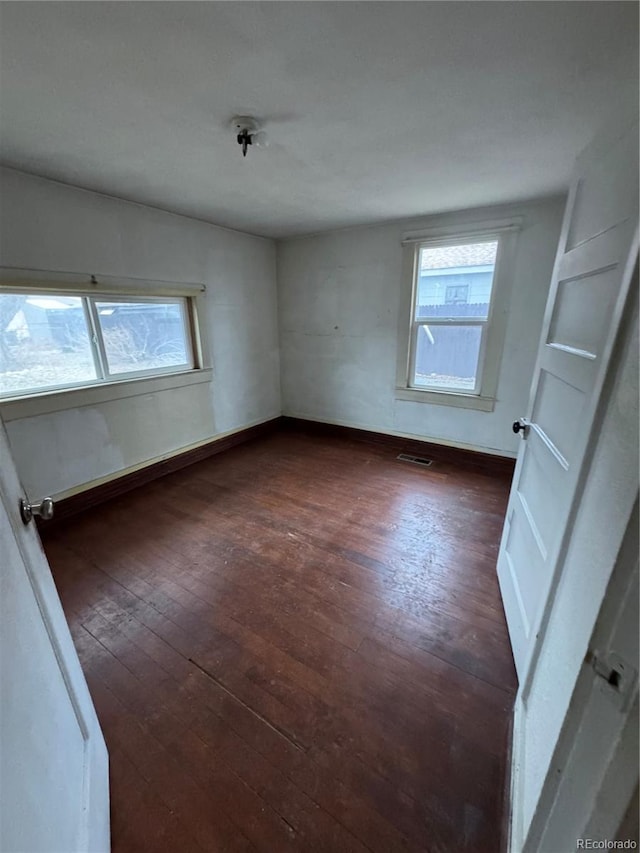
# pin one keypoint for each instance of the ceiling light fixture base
(248, 132)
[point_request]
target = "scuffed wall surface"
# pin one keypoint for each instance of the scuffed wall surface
(339, 297)
(49, 226)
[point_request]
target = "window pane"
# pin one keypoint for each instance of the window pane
(447, 357)
(43, 342)
(456, 281)
(143, 335)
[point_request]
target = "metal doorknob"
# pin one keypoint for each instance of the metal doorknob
(519, 425)
(44, 509)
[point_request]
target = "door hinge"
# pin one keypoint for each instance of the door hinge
(618, 675)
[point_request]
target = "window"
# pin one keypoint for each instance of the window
(456, 289)
(51, 341)
(456, 294)
(448, 330)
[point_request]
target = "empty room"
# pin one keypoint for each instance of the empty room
(318, 426)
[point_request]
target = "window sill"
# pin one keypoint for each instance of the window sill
(446, 398)
(47, 402)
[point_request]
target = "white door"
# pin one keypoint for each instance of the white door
(598, 746)
(54, 789)
(593, 268)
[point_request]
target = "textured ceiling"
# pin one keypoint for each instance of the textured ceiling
(375, 110)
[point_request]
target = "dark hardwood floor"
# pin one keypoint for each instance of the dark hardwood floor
(297, 645)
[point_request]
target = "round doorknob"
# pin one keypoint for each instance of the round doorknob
(518, 425)
(44, 509)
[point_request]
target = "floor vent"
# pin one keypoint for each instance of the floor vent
(416, 460)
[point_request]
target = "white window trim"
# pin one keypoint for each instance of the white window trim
(92, 283)
(48, 402)
(119, 386)
(484, 397)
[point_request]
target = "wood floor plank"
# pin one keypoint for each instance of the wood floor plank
(301, 648)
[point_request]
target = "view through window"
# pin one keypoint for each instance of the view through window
(450, 315)
(50, 340)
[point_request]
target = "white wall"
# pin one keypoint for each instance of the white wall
(338, 299)
(338, 316)
(48, 226)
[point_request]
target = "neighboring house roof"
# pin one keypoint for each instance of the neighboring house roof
(442, 257)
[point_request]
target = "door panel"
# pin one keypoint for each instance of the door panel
(56, 740)
(581, 302)
(53, 760)
(557, 409)
(528, 561)
(536, 471)
(604, 196)
(598, 245)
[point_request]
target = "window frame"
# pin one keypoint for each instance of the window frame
(109, 385)
(100, 350)
(417, 322)
(483, 396)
